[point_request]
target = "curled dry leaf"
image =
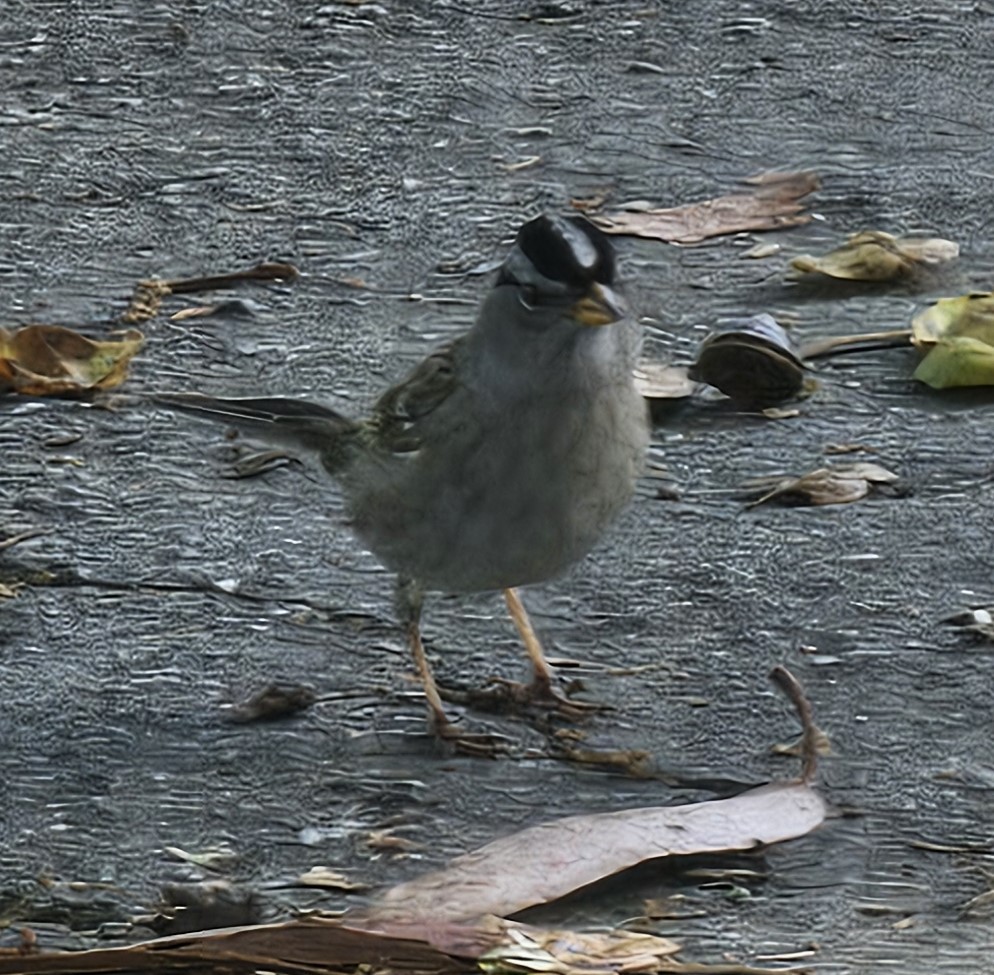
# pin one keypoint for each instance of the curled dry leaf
(841, 484)
(877, 256)
(774, 203)
(751, 360)
(50, 360)
(329, 946)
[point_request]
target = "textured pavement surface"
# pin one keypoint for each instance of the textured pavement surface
(390, 150)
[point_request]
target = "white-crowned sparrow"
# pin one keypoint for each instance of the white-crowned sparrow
(503, 457)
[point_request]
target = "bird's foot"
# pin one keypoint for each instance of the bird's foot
(542, 694)
(474, 744)
(509, 696)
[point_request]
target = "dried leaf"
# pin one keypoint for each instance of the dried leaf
(217, 858)
(842, 484)
(780, 413)
(417, 926)
(761, 251)
(386, 841)
(957, 361)
(772, 205)
(529, 949)
(546, 862)
(49, 360)
(876, 256)
(673, 908)
(197, 311)
(751, 360)
(655, 380)
(326, 877)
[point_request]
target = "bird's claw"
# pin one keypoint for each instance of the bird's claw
(474, 744)
(541, 694)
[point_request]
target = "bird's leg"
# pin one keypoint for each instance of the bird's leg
(542, 679)
(541, 687)
(409, 599)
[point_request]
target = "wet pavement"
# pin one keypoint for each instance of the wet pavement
(389, 151)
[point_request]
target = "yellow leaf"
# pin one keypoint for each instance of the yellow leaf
(969, 315)
(958, 360)
(876, 256)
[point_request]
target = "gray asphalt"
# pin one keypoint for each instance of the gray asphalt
(390, 150)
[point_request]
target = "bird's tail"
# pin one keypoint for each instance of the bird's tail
(287, 421)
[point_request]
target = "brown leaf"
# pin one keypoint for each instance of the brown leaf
(49, 360)
(546, 862)
(842, 484)
(312, 945)
(772, 205)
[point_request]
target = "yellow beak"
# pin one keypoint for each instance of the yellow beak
(601, 305)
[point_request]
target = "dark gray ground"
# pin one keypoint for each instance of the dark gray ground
(379, 142)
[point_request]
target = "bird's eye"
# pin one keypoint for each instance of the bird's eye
(528, 295)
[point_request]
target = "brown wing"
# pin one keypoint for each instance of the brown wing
(400, 412)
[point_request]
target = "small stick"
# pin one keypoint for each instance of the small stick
(791, 687)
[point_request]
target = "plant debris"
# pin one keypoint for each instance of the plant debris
(873, 255)
(658, 381)
(51, 360)
(751, 360)
(970, 315)
(977, 621)
(841, 484)
(772, 204)
(271, 703)
(445, 923)
(330, 879)
(148, 295)
(957, 336)
(544, 863)
(218, 859)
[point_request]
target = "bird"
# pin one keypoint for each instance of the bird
(504, 456)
